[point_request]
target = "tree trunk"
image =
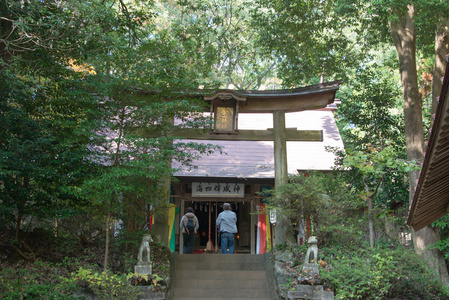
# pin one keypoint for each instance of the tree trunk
(6, 27)
(369, 202)
(19, 221)
(106, 250)
(441, 49)
(404, 36)
(370, 222)
(390, 228)
(422, 239)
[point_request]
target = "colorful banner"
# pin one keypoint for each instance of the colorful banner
(151, 217)
(268, 234)
(172, 212)
(261, 244)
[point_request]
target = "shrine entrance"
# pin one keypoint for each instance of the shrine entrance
(207, 212)
(208, 206)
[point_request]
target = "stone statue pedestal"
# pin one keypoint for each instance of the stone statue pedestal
(310, 274)
(311, 268)
(309, 280)
(310, 292)
(143, 258)
(143, 269)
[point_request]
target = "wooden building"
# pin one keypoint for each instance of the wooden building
(431, 198)
(265, 136)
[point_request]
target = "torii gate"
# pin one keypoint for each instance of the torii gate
(226, 105)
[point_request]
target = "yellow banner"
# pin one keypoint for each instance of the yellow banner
(171, 223)
(268, 234)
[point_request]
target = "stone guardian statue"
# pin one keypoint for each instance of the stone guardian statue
(143, 258)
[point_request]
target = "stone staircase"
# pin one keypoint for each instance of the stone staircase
(221, 276)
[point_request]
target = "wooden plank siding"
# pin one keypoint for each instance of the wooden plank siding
(431, 199)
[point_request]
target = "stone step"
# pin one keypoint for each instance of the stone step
(216, 298)
(247, 258)
(221, 284)
(220, 274)
(220, 265)
(228, 292)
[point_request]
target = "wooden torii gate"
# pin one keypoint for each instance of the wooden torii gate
(277, 102)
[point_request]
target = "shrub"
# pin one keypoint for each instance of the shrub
(38, 281)
(380, 273)
(105, 285)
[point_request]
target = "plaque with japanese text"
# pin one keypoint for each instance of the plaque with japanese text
(211, 189)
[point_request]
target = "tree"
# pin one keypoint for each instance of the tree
(404, 36)
(372, 23)
(373, 166)
(370, 117)
(309, 39)
(299, 201)
(371, 112)
(227, 42)
(79, 78)
(143, 74)
(45, 113)
(401, 18)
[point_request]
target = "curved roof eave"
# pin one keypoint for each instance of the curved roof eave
(289, 100)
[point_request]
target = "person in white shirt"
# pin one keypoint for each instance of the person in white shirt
(227, 225)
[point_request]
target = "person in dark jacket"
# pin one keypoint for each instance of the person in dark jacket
(188, 235)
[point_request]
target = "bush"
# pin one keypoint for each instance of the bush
(38, 281)
(105, 285)
(380, 273)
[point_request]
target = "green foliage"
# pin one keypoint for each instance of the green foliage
(380, 174)
(72, 100)
(348, 233)
(227, 42)
(309, 39)
(379, 273)
(372, 126)
(58, 258)
(27, 283)
(371, 113)
(377, 163)
(443, 244)
(144, 279)
(43, 138)
(301, 198)
(105, 285)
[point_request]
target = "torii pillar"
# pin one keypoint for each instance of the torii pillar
(280, 170)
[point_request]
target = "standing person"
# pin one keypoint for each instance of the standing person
(227, 225)
(189, 226)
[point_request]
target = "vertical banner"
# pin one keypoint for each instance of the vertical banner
(151, 217)
(261, 245)
(268, 233)
(172, 212)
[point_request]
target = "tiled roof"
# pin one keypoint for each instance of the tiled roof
(255, 159)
